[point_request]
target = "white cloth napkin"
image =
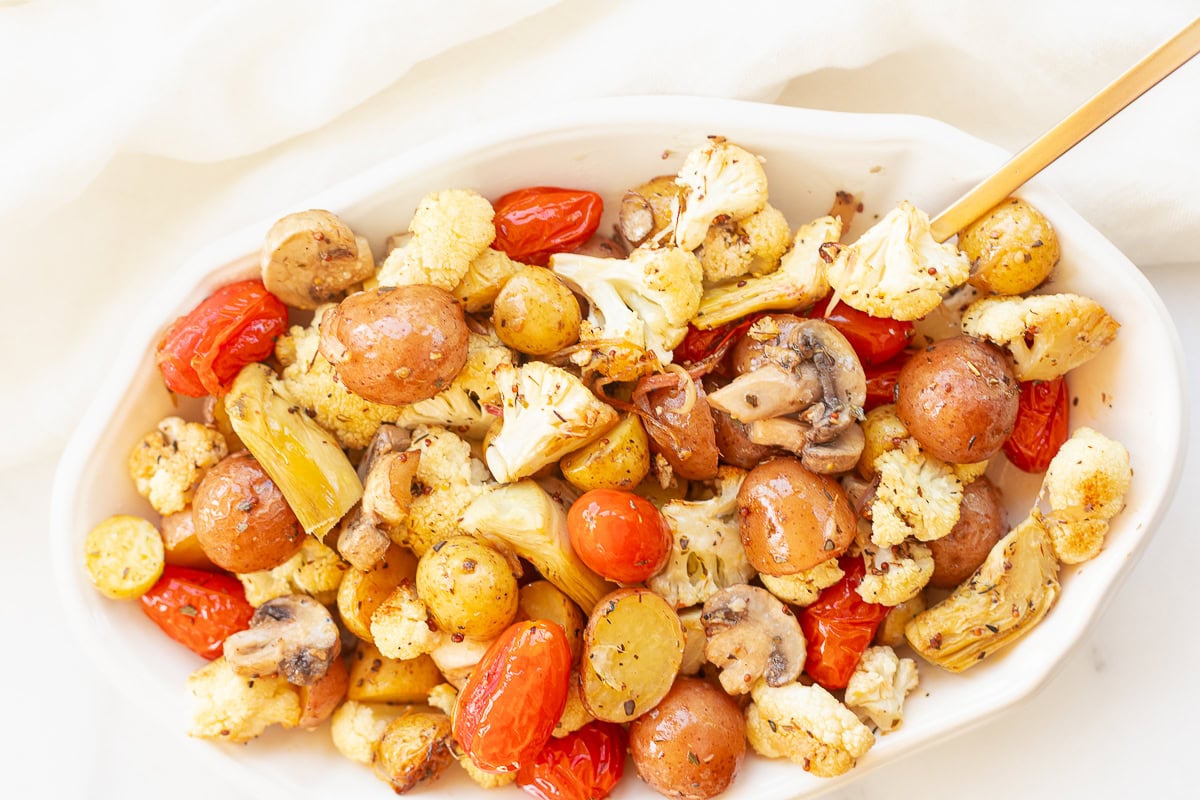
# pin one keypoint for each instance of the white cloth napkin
(134, 131)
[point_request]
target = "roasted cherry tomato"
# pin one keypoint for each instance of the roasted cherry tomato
(713, 345)
(584, 765)
(204, 350)
(533, 223)
(1043, 419)
(512, 701)
(619, 535)
(875, 339)
(198, 608)
(839, 627)
(881, 381)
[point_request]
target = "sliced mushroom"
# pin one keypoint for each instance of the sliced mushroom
(387, 439)
(752, 635)
(380, 516)
(837, 455)
(602, 247)
(312, 257)
(293, 636)
(648, 209)
(788, 365)
(768, 391)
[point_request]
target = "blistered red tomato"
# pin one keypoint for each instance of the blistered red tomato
(204, 350)
(512, 701)
(583, 765)
(1043, 420)
(534, 223)
(839, 627)
(875, 339)
(619, 535)
(712, 346)
(198, 608)
(881, 381)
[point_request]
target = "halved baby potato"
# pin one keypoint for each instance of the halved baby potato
(360, 593)
(619, 459)
(124, 556)
(632, 650)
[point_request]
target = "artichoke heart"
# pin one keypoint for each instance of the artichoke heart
(301, 457)
(1007, 596)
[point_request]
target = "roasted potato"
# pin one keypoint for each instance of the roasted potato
(982, 521)
(958, 398)
(692, 744)
(883, 431)
(535, 313)
(242, 520)
(1013, 248)
(619, 459)
(632, 651)
(180, 543)
(123, 556)
(396, 345)
(544, 600)
(469, 587)
(375, 678)
(318, 700)
(415, 749)
(360, 593)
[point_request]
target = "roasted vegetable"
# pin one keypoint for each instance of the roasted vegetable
(302, 458)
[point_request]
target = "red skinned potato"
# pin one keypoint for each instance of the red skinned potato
(793, 519)
(396, 344)
(692, 744)
(242, 520)
(982, 521)
(958, 397)
(319, 700)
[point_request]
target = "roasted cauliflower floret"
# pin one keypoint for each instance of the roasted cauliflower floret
(754, 245)
(719, 180)
(644, 301)
(309, 381)
(894, 574)
(232, 708)
(706, 545)
(1085, 487)
(402, 626)
(798, 281)
(803, 588)
(460, 407)
(450, 229)
(168, 463)
(485, 277)
(357, 727)
(1047, 335)
(877, 688)
(917, 495)
(896, 269)
(807, 725)
(443, 697)
(315, 570)
(548, 412)
(448, 479)
(1011, 592)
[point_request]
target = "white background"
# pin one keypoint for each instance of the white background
(132, 133)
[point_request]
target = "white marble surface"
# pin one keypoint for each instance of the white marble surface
(1113, 723)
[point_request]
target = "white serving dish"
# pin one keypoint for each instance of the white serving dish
(608, 146)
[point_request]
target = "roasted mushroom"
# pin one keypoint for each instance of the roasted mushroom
(293, 636)
(312, 257)
(752, 635)
(387, 473)
(648, 209)
(801, 387)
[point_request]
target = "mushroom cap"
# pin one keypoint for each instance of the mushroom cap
(293, 635)
(752, 635)
(788, 365)
(312, 257)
